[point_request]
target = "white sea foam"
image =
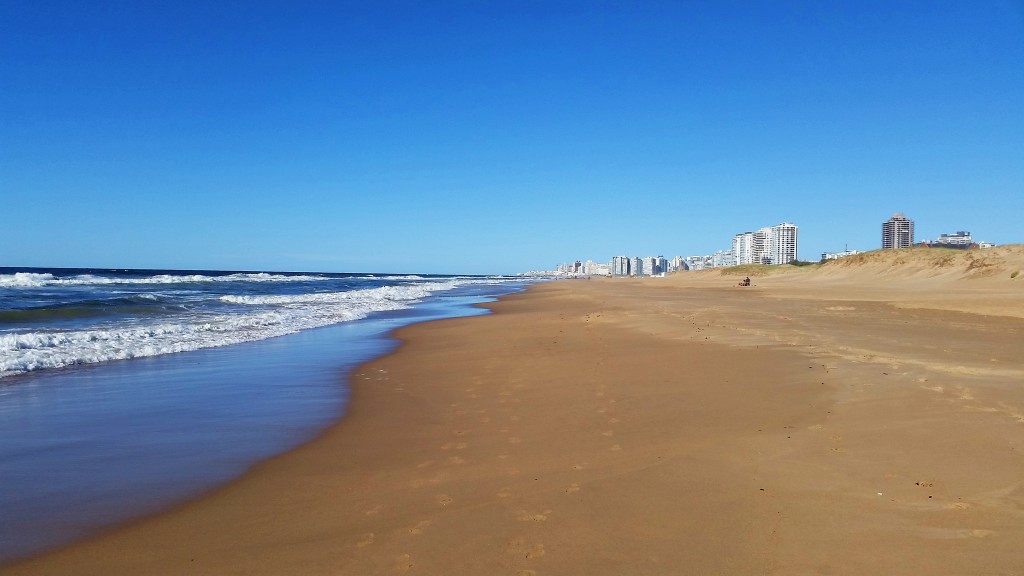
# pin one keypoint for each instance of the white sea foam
(260, 317)
(25, 280)
(383, 293)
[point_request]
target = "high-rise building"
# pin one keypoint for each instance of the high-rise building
(898, 232)
(782, 245)
(620, 266)
(722, 258)
(636, 266)
(760, 247)
(592, 268)
(742, 248)
(654, 265)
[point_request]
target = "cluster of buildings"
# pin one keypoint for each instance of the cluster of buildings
(771, 245)
(898, 232)
(623, 266)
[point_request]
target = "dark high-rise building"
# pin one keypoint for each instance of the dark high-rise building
(898, 232)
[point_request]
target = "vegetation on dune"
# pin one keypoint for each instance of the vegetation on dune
(755, 270)
(971, 263)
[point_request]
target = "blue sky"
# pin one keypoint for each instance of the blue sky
(498, 137)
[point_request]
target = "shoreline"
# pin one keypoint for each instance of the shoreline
(610, 426)
(102, 446)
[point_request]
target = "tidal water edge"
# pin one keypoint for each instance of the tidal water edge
(118, 424)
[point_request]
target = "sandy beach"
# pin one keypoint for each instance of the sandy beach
(862, 417)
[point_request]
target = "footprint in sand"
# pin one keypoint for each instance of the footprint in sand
(539, 517)
(444, 499)
(403, 563)
(435, 479)
(504, 493)
(366, 540)
(608, 433)
(373, 511)
(573, 488)
(419, 527)
(616, 448)
(536, 552)
(517, 548)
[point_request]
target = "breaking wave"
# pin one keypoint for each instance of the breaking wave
(260, 317)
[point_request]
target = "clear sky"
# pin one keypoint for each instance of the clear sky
(498, 136)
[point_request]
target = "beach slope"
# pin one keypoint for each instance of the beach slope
(858, 417)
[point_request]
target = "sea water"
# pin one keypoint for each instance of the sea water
(123, 392)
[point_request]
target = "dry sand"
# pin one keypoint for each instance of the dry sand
(864, 417)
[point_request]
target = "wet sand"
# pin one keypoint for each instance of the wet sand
(810, 424)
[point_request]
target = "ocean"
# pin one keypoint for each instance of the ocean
(124, 392)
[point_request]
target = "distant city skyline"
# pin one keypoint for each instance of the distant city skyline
(773, 245)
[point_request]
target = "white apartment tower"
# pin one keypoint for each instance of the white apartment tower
(620, 266)
(782, 244)
(898, 232)
(760, 246)
(636, 266)
(743, 248)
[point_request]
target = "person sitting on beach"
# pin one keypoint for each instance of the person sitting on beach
(745, 281)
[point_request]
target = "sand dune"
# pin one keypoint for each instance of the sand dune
(987, 281)
(912, 263)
